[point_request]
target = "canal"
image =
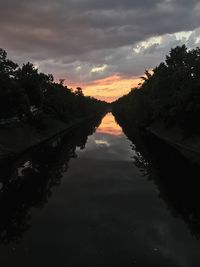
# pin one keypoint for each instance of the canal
(88, 202)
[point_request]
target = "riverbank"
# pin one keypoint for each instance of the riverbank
(189, 147)
(17, 138)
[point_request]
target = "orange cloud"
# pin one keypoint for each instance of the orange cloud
(108, 80)
(111, 88)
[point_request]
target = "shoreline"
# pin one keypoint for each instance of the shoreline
(18, 140)
(188, 147)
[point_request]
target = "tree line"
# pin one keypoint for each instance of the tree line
(27, 94)
(170, 94)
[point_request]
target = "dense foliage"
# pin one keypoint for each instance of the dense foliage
(26, 94)
(170, 94)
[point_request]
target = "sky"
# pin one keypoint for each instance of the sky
(103, 46)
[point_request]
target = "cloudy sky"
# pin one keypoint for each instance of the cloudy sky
(101, 45)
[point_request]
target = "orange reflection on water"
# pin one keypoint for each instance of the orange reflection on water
(109, 126)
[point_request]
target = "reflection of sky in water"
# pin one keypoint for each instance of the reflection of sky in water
(109, 142)
(102, 143)
(109, 126)
(155, 236)
(105, 213)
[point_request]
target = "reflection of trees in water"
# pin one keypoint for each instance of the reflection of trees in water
(178, 180)
(29, 181)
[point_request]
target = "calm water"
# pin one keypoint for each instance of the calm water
(96, 202)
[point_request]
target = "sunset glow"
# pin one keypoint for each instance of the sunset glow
(99, 133)
(110, 88)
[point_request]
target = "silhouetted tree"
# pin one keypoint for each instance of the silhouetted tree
(170, 94)
(24, 90)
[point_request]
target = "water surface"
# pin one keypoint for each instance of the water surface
(95, 207)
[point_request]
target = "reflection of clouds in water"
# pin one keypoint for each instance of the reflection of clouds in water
(109, 147)
(109, 126)
(110, 130)
(101, 187)
(109, 143)
(102, 143)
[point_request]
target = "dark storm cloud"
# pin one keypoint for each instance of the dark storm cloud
(68, 34)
